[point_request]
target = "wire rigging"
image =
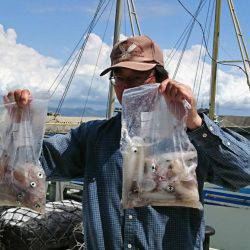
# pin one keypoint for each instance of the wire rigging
(205, 42)
(200, 51)
(177, 45)
(79, 54)
(72, 61)
(98, 56)
(124, 18)
(201, 4)
(203, 34)
(72, 53)
(204, 59)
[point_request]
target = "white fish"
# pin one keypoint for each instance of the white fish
(23, 186)
(165, 180)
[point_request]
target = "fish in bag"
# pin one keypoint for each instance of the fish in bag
(22, 179)
(159, 161)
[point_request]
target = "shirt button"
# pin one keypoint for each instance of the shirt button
(204, 135)
(129, 246)
(211, 128)
(130, 217)
(228, 143)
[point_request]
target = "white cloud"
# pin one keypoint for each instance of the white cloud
(232, 89)
(22, 66)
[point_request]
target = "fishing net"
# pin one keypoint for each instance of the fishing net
(59, 228)
(159, 161)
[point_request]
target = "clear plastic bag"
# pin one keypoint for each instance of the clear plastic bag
(22, 179)
(159, 161)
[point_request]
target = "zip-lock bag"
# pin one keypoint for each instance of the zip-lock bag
(159, 161)
(22, 179)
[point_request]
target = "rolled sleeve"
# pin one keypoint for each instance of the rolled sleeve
(228, 154)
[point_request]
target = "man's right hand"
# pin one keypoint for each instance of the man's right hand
(22, 97)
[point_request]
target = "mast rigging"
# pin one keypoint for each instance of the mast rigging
(118, 16)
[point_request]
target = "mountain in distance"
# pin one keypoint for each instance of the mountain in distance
(73, 111)
(74, 107)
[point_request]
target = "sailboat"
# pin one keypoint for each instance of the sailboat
(224, 209)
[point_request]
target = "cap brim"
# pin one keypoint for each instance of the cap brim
(130, 65)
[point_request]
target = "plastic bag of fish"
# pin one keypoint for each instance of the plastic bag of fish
(22, 179)
(159, 161)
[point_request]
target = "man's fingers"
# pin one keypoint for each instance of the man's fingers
(21, 97)
(170, 91)
(163, 85)
(175, 91)
(5, 99)
(10, 97)
(24, 98)
(17, 95)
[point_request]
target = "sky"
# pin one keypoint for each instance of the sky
(37, 37)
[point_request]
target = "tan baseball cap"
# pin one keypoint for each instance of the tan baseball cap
(137, 52)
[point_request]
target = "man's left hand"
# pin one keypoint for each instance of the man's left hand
(175, 93)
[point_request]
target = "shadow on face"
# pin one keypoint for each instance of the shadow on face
(128, 78)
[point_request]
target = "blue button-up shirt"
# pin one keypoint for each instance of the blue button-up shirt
(92, 151)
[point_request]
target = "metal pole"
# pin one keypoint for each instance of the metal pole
(215, 59)
(136, 18)
(130, 17)
(118, 15)
(240, 40)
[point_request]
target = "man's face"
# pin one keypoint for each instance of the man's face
(128, 78)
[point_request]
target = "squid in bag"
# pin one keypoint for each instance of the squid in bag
(22, 179)
(159, 161)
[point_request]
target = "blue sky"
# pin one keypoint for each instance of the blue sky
(52, 28)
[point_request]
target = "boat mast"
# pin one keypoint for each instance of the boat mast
(132, 15)
(242, 46)
(214, 61)
(132, 11)
(111, 96)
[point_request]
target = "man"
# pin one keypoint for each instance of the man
(92, 151)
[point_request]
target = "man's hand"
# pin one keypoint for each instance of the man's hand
(175, 93)
(21, 97)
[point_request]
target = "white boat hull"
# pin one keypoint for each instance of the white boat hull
(229, 214)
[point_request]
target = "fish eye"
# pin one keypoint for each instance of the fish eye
(153, 166)
(20, 196)
(170, 188)
(33, 184)
(40, 175)
(37, 205)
